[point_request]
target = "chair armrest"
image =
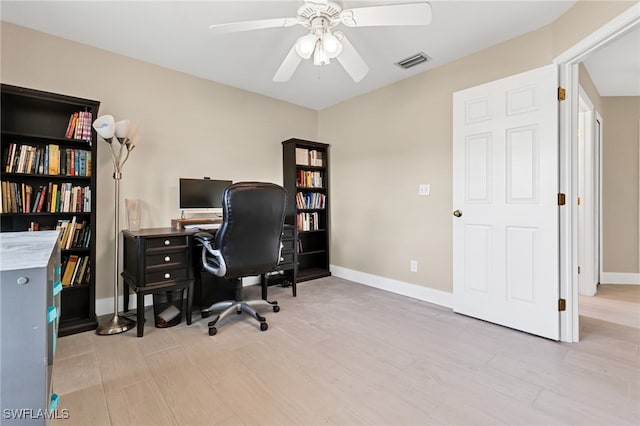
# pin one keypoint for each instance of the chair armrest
(212, 259)
(203, 237)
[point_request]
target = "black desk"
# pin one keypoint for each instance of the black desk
(164, 259)
(157, 260)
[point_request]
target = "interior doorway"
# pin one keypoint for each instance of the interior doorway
(568, 63)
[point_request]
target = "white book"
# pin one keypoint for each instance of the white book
(302, 156)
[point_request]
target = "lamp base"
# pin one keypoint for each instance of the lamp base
(115, 325)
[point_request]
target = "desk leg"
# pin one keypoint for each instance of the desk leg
(125, 297)
(140, 312)
(189, 302)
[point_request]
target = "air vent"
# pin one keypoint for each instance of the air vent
(412, 61)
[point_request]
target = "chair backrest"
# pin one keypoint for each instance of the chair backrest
(251, 231)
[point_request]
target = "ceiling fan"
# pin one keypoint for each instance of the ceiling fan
(320, 17)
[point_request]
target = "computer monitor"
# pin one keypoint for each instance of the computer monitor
(202, 195)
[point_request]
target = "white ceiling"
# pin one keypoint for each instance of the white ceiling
(175, 34)
(615, 69)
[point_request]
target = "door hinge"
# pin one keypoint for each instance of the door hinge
(578, 269)
(578, 200)
(561, 199)
(562, 305)
(562, 94)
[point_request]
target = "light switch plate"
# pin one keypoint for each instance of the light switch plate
(424, 189)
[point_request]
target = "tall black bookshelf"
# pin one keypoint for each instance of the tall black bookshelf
(41, 155)
(305, 170)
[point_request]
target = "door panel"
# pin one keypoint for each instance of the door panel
(505, 243)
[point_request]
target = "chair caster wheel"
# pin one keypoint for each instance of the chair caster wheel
(205, 314)
(263, 326)
(212, 331)
(260, 318)
(276, 308)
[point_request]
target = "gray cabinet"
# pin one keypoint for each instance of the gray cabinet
(30, 289)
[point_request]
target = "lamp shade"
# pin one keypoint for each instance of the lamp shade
(305, 45)
(133, 129)
(122, 129)
(135, 139)
(105, 126)
(332, 47)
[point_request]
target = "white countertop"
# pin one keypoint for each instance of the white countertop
(23, 250)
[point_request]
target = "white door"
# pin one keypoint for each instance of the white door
(505, 199)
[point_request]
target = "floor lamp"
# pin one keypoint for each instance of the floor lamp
(127, 137)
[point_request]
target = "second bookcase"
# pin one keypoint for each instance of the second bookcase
(305, 169)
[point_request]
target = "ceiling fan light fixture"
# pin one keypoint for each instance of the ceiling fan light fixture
(305, 45)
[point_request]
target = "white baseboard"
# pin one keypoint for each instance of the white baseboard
(426, 294)
(105, 306)
(620, 278)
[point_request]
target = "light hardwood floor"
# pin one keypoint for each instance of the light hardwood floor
(346, 354)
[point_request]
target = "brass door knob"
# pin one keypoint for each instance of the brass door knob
(457, 213)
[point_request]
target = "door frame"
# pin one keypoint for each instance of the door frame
(588, 223)
(598, 133)
(568, 63)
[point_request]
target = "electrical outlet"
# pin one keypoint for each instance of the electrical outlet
(413, 266)
(424, 189)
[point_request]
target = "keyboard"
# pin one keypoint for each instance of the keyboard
(203, 226)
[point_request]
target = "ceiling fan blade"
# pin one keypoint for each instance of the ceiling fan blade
(392, 14)
(350, 59)
(234, 27)
(288, 66)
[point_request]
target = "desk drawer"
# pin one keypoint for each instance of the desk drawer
(288, 232)
(166, 275)
(166, 242)
(287, 258)
(177, 259)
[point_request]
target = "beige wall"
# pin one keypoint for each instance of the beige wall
(190, 127)
(582, 19)
(621, 119)
(387, 142)
(383, 144)
(590, 89)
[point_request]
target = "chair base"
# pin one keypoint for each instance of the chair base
(231, 306)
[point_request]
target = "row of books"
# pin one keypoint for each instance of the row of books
(79, 126)
(48, 159)
(309, 157)
(76, 270)
(51, 198)
(73, 234)
(310, 200)
(308, 222)
(308, 179)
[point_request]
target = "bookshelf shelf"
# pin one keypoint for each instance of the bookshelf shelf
(306, 178)
(41, 139)
(38, 157)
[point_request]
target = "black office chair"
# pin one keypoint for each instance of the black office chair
(247, 243)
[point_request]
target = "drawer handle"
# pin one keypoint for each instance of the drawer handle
(57, 288)
(167, 258)
(167, 275)
(167, 242)
(52, 314)
(54, 402)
